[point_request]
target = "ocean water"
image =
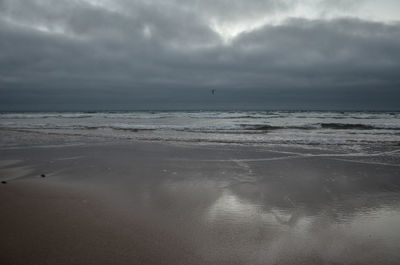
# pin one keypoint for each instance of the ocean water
(352, 130)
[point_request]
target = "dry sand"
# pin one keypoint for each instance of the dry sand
(147, 203)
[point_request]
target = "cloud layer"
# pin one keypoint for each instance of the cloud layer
(124, 54)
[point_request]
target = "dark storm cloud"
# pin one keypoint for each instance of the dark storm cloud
(158, 54)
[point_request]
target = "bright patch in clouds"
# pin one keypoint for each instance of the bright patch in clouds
(229, 30)
(309, 9)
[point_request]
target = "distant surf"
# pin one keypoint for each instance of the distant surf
(329, 128)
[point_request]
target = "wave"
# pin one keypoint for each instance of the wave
(355, 126)
(133, 129)
(268, 127)
(332, 126)
(261, 127)
(18, 116)
(232, 128)
(278, 117)
(345, 126)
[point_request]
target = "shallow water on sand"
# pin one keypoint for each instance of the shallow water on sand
(226, 204)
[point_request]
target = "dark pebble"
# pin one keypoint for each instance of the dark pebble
(43, 175)
(4, 182)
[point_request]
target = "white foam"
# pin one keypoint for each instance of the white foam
(270, 127)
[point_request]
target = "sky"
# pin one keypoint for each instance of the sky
(170, 54)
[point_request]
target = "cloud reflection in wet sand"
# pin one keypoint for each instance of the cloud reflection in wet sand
(277, 235)
(303, 210)
(327, 218)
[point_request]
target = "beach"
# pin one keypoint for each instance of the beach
(138, 202)
(243, 132)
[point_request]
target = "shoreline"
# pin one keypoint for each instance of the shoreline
(156, 203)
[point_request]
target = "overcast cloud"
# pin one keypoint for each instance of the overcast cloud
(123, 54)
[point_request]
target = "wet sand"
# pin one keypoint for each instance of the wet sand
(149, 203)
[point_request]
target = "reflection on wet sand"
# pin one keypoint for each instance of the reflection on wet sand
(225, 210)
(304, 211)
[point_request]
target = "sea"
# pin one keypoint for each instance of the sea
(324, 129)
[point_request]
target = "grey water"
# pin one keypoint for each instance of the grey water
(328, 129)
